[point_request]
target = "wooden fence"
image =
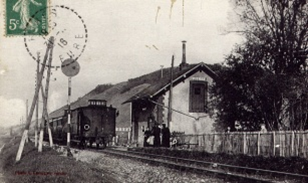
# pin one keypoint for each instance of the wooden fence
(279, 143)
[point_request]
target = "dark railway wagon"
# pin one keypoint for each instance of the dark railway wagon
(92, 123)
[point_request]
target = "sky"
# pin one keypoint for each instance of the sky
(126, 39)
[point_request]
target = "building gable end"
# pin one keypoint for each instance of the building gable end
(184, 76)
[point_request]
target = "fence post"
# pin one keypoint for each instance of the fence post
(204, 145)
(304, 149)
(222, 142)
(244, 142)
(198, 141)
(213, 144)
(258, 144)
(285, 144)
(297, 148)
(274, 144)
(280, 144)
(292, 143)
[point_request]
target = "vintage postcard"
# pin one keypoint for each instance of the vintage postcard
(88, 75)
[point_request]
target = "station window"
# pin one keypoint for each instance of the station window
(198, 96)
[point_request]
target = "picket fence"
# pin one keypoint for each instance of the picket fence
(274, 143)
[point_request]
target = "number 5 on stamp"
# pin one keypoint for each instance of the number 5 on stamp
(26, 17)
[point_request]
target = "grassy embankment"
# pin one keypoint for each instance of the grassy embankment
(48, 166)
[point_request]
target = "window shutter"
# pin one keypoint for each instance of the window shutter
(198, 96)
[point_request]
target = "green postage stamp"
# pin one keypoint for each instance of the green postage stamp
(26, 17)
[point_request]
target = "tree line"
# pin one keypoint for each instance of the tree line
(264, 80)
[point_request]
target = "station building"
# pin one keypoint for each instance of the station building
(143, 101)
(188, 111)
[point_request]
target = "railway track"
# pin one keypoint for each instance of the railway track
(227, 172)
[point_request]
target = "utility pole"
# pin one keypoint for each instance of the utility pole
(46, 118)
(37, 101)
(26, 108)
(27, 138)
(28, 122)
(45, 113)
(170, 94)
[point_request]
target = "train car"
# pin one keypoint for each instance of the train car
(94, 122)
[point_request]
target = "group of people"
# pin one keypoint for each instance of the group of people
(157, 137)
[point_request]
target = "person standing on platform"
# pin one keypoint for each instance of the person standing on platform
(156, 133)
(166, 136)
(147, 134)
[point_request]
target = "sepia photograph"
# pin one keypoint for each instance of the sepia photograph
(171, 91)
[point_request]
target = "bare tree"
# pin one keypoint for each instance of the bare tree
(276, 51)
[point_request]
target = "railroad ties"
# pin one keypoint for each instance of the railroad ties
(223, 171)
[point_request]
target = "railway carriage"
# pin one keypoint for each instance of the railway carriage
(94, 122)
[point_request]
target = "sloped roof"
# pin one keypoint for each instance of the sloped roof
(115, 95)
(82, 101)
(151, 84)
(159, 85)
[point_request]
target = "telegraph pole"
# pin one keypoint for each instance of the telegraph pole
(45, 113)
(170, 94)
(27, 138)
(37, 101)
(46, 118)
(26, 108)
(28, 122)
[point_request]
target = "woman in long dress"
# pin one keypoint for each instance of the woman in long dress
(26, 21)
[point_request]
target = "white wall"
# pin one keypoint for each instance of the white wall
(180, 102)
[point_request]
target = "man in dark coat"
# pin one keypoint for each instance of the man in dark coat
(165, 136)
(156, 133)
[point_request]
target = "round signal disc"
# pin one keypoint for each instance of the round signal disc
(70, 67)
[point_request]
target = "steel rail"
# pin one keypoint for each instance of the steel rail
(217, 173)
(264, 171)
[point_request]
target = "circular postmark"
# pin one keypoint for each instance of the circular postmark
(68, 29)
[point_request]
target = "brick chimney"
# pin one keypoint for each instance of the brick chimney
(183, 63)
